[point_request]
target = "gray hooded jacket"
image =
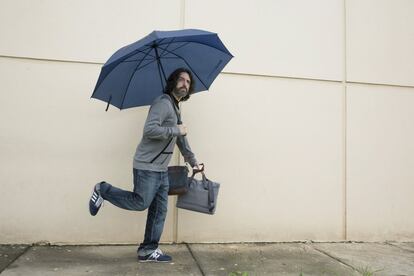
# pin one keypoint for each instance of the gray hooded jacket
(161, 133)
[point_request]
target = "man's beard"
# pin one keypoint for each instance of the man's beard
(180, 93)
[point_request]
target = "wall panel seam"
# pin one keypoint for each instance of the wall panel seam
(344, 122)
(224, 73)
(175, 212)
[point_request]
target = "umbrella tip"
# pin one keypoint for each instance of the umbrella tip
(110, 98)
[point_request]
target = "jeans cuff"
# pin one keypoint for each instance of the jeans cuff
(104, 187)
(145, 252)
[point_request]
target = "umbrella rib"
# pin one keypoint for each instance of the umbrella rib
(160, 67)
(169, 43)
(142, 51)
(159, 73)
(130, 79)
(137, 60)
(145, 65)
(185, 44)
(202, 44)
(136, 51)
(170, 57)
(188, 66)
(139, 51)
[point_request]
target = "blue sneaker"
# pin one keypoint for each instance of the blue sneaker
(157, 257)
(96, 200)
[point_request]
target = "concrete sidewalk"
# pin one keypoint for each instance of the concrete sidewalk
(213, 259)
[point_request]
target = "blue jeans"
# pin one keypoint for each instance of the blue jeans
(150, 191)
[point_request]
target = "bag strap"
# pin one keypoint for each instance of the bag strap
(169, 142)
(210, 196)
(211, 201)
(178, 123)
(175, 111)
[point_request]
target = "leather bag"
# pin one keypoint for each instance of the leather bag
(201, 195)
(178, 179)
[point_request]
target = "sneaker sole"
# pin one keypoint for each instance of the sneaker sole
(153, 261)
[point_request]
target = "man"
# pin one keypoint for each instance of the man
(162, 131)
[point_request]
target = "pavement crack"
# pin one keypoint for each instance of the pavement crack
(262, 257)
(336, 259)
(15, 258)
(195, 259)
(402, 248)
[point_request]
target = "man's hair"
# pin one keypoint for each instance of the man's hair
(172, 82)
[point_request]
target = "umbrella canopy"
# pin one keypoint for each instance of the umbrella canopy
(136, 74)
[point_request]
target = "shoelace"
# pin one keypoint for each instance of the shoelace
(156, 254)
(97, 199)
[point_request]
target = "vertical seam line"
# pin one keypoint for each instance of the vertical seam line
(345, 129)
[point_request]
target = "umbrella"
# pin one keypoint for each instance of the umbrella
(136, 74)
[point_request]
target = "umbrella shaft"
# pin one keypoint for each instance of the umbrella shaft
(160, 67)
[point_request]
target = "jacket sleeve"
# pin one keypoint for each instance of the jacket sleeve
(153, 128)
(185, 150)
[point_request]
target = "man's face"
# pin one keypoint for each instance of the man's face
(183, 85)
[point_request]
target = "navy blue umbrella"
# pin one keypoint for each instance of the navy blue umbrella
(136, 74)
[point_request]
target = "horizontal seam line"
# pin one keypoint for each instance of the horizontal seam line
(52, 60)
(225, 73)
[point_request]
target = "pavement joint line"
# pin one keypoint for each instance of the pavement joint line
(402, 248)
(195, 259)
(17, 257)
(336, 259)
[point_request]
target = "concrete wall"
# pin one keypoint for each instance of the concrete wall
(309, 129)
